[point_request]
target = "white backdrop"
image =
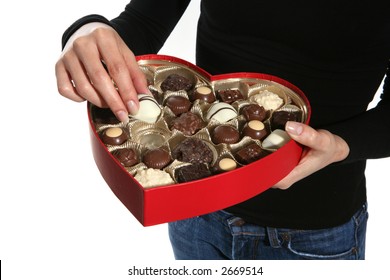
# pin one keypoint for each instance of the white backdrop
(58, 218)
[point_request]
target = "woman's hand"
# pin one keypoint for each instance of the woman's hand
(81, 75)
(321, 148)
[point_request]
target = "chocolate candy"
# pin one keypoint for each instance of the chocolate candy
(149, 110)
(202, 93)
(254, 112)
(276, 139)
(250, 154)
(225, 134)
(254, 129)
(126, 156)
(224, 165)
(279, 118)
(268, 99)
(175, 82)
(156, 158)
(192, 172)
(178, 104)
(229, 95)
(221, 112)
(188, 123)
(114, 136)
(193, 150)
(149, 178)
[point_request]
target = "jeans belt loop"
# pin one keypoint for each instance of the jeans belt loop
(273, 237)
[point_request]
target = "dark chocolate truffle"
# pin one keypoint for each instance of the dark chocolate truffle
(114, 136)
(175, 82)
(188, 123)
(178, 104)
(229, 95)
(202, 93)
(250, 154)
(254, 129)
(254, 112)
(156, 158)
(192, 172)
(279, 118)
(193, 150)
(126, 156)
(225, 134)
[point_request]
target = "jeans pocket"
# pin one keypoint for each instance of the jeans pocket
(326, 244)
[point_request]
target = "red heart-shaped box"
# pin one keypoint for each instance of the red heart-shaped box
(179, 201)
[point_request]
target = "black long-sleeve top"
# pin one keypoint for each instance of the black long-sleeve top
(336, 51)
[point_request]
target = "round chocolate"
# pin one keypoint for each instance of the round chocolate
(254, 112)
(225, 134)
(156, 158)
(114, 136)
(279, 118)
(178, 104)
(126, 156)
(203, 93)
(254, 129)
(188, 123)
(224, 165)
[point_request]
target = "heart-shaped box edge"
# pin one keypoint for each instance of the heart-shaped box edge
(175, 202)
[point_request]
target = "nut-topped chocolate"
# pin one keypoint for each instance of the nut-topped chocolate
(229, 95)
(126, 156)
(255, 130)
(178, 104)
(114, 136)
(203, 93)
(156, 158)
(188, 123)
(176, 82)
(225, 134)
(254, 112)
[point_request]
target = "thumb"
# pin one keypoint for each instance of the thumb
(302, 134)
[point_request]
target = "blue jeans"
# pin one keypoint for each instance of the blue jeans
(222, 236)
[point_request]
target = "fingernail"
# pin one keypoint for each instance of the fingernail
(132, 107)
(122, 116)
(294, 128)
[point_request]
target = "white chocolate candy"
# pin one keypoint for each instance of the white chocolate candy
(149, 110)
(276, 139)
(221, 112)
(153, 177)
(269, 100)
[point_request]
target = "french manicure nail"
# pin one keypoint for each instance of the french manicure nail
(294, 128)
(132, 107)
(122, 116)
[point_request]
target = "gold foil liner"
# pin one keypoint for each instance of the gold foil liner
(156, 71)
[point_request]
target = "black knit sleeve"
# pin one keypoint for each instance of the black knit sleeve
(368, 135)
(144, 24)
